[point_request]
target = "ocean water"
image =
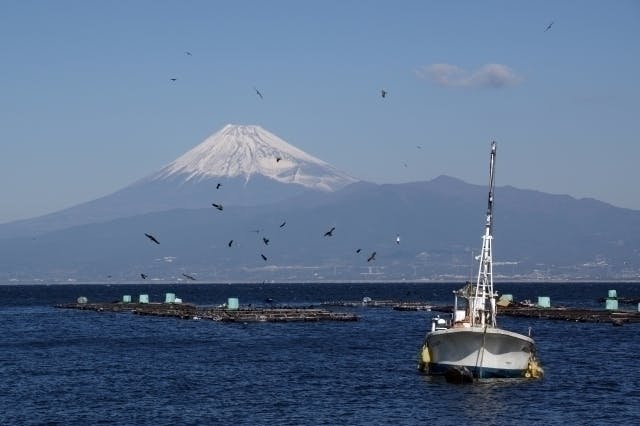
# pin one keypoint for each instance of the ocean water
(72, 367)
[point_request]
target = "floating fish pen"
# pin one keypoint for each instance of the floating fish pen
(562, 314)
(219, 314)
(412, 306)
(370, 303)
(366, 302)
(108, 306)
(257, 314)
(572, 314)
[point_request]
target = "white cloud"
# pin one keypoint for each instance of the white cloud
(493, 76)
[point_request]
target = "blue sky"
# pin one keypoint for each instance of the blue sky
(87, 107)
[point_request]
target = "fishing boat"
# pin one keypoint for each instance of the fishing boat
(470, 345)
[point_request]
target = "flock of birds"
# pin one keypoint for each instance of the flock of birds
(265, 240)
(328, 233)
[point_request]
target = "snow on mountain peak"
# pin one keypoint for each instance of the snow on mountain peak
(245, 150)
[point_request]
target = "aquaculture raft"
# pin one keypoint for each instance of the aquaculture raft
(562, 314)
(572, 314)
(370, 303)
(187, 311)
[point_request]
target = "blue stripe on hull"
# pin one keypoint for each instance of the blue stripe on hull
(478, 373)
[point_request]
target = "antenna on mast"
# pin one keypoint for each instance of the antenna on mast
(484, 304)
(491, 181)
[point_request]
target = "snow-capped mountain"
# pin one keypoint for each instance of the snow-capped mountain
(238, 165)
(244, 151)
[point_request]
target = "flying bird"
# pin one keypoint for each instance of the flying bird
(152, 238)
(258, 93)
(188, 53)
(263, 257)
(278, 159)
(265, 240)
(548, 27)
(230, 243)
(173, 79)
(372, 257)
(144, 276)
(397, 238)
(358, 251)
(218, 186)
(329, 233)
(419, 147)
(189, 276)
(283, 224)
(383, 93)
(217, 206)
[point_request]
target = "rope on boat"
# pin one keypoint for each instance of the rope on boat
(481, 353)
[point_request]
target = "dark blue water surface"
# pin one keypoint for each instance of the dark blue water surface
(73, 367)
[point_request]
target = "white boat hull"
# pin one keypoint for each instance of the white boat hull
(485, 352)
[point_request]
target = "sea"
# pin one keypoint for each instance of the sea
(70, 367)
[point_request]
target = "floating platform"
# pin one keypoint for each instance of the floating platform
(412, 306)
(572, 314)
(188, 311)
(370, 303)
(366, 302)
(562, 314)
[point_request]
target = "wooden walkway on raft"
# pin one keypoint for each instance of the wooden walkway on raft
(562, 314)
(188, 311)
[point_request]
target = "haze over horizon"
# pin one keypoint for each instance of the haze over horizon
(89, 106)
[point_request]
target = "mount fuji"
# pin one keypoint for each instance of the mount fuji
(241, 165)
(248, 151)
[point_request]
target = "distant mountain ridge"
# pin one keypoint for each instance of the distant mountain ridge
(538, 236)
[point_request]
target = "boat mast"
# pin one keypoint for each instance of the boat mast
(484, 303)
